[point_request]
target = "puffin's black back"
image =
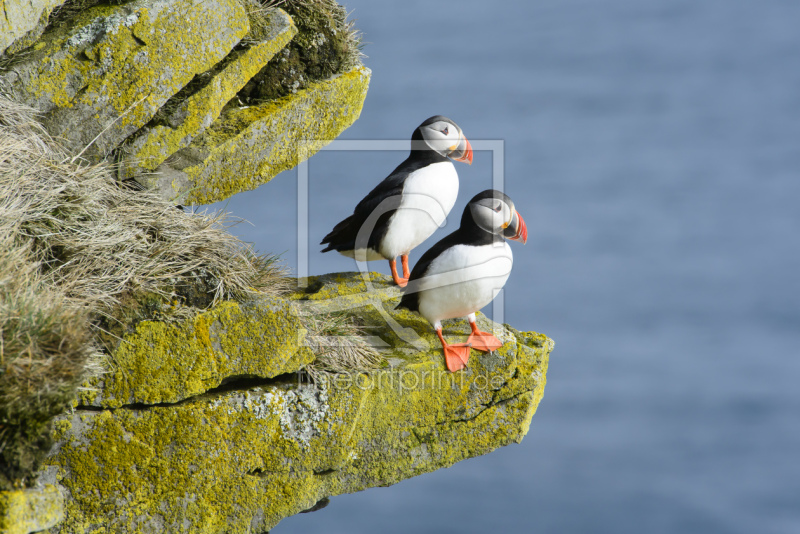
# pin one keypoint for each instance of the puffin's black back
(343, 236)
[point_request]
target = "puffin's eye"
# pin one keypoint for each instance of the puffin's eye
(445, 131)
(498, 208)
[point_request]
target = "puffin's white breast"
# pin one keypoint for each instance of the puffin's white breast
(464, 279)
(428, 196)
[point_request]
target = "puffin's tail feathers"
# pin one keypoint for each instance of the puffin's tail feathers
(341, 237)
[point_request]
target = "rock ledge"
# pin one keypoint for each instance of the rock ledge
(241, 456)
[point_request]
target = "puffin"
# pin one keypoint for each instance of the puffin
(408, 205)
(463, 272)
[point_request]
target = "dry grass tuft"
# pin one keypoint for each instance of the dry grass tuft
(98, 241)
(80, 257)
(45, 349)
(338, 341)
(42, 334)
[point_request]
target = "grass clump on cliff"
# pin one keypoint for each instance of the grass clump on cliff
(44, 351)
(326, 44)
(82, 259)
(339, 344)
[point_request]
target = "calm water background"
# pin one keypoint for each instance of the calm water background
(653, 148)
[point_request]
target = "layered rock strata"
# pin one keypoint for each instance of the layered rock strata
(153, 85)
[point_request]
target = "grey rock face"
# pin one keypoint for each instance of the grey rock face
(104, 76)
(23, 21)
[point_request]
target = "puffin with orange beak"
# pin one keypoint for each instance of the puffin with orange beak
(463, 272)
(408, 205)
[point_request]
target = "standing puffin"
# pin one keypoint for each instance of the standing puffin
(463, 272)
(408, 205)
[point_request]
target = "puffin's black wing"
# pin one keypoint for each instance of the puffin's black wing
(343, 236)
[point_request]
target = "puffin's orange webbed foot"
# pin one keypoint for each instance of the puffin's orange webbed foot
(483, 341)
(456, 356)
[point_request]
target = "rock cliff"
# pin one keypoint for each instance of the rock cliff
(206, 421)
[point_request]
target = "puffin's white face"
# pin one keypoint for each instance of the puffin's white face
(492, 214)
(498, 216)
(442, 136)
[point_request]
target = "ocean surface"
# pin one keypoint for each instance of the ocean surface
(653, 148)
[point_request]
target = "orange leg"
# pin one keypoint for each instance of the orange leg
(406, 271)
(482, 341)
(455, 356)
(397, 280)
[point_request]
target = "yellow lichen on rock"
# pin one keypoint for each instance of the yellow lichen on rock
(242, 458)
(153, 144)
(100, 78)
(248, 146)
(30, 510)
(23, 21)
(162, 362)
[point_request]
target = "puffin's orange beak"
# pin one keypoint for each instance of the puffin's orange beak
(463, 151)
(517, 226)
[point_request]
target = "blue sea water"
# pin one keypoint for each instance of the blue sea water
(653, 147)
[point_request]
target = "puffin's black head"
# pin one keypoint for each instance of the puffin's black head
(444, 137)
(494, 212)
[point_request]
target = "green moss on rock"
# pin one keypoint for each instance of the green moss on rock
(324, 46)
